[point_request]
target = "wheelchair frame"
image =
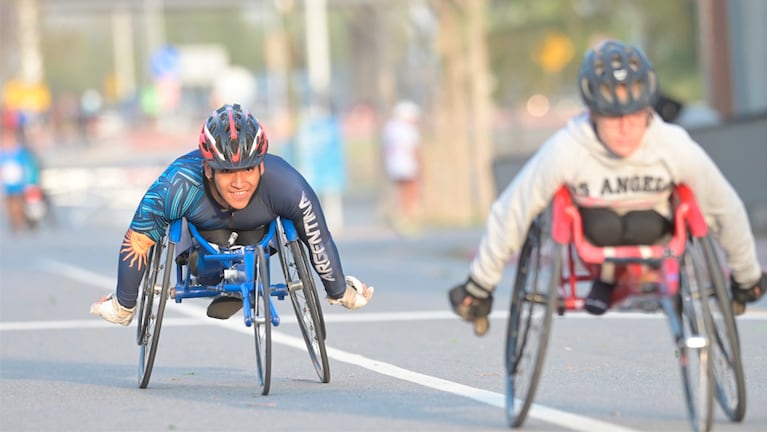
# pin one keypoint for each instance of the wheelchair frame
(245, 272)
(691, 290)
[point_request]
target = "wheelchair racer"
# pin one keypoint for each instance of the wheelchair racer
(229, 182)
(620, 161)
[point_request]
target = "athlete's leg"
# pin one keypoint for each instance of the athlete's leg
(602, 227)
(644, 227)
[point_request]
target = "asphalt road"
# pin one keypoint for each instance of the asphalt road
(402, 363)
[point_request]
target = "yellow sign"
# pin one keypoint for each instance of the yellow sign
(23, 96)
(555, 53)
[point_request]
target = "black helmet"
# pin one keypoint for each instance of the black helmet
(612, 65)
(232, 138)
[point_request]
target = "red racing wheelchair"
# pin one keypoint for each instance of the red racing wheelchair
(682, 277)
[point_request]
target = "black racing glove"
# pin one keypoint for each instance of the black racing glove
(470, 300)
(746, 294)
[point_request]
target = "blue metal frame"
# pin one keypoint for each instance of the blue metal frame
(239, 263)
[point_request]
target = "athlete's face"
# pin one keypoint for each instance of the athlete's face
(236, 187)
(622, 134)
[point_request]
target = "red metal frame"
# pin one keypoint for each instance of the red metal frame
(635, 265)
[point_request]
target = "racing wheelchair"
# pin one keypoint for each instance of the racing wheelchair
(682, 277)
(240, 271)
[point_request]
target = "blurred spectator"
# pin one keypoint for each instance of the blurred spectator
(65, 116)
(403, 163)
(20, 172)
(91, 104)
(320, 156)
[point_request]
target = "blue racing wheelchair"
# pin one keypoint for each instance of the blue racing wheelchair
(206, 269)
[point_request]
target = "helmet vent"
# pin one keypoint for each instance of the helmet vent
(606, 93)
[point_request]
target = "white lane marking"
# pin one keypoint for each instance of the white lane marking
(82, 324)
(549, 415)
(331, 318)
(498, 314)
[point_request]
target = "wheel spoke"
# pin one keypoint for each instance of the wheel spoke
(532, 307)
(306, 304)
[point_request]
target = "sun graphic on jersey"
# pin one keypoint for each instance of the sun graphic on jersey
(136, 248)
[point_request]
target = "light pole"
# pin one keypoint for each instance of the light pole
(29, 43)
(124, 58)
(318, 64)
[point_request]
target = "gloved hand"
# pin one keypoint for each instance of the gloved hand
(473, 303)
(742, 294)
(357, 294)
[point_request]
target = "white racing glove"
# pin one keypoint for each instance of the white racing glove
(356, 296)
(109, 309)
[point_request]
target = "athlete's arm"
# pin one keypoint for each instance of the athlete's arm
(175, 193)
(514, 210)
(294, 199)
(721, 206)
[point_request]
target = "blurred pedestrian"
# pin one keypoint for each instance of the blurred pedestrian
(403, 163)
(320, 157)
(19, 171)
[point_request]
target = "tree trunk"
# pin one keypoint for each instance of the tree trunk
(447, 176)
(482, 108)
(458, 178)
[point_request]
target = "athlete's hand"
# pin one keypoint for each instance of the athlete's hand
(357, 294)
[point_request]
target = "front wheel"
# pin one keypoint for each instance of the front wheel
(532, 306)
(262, 323)
(154, 295)
(696, 348)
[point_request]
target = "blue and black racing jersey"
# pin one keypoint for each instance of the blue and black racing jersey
(182, 191)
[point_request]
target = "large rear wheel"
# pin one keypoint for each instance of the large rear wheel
(154, 295)
(532, 306)
(306, 303)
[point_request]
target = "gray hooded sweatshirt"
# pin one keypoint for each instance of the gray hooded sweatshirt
(574, 157)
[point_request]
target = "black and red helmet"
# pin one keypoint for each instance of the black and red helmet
(232, 138)
(609, 66)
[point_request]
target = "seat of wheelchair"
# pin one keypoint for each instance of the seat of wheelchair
(568, 229)
(639, 268)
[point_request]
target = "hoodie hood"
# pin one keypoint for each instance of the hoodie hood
(581, 129)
